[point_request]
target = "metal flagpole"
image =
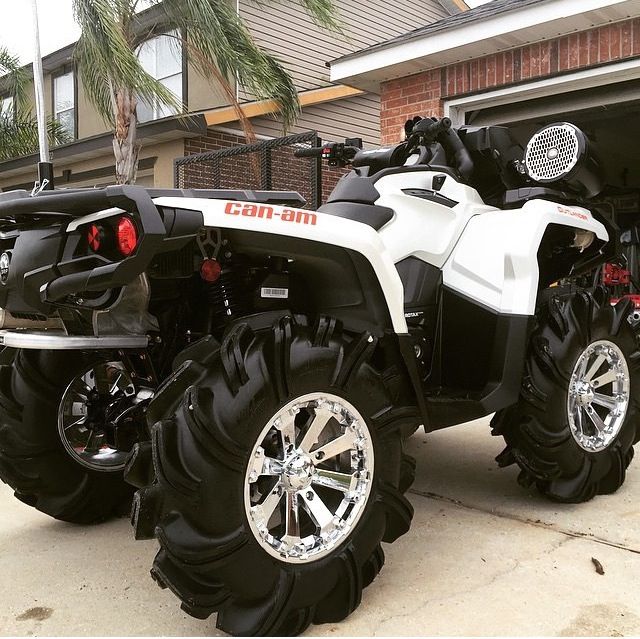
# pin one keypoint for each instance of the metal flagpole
(45, 167)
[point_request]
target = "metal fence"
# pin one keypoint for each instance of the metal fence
(268, 165)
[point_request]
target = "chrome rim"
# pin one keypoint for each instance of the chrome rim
(99, 414)
(309, 478)
(598, 395)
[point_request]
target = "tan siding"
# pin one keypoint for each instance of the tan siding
(90, 122)
(351, 117)
(285, 29)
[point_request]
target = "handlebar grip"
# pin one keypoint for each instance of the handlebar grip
(432, 128)
(313, 152)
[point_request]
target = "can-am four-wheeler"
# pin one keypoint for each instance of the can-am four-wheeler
(252, 367)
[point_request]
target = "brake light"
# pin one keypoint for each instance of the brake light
(94, 237)
(126, 236)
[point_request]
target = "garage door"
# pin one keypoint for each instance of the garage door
(610, 116)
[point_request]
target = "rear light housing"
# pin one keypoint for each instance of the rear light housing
(126, 236)
(114, 238)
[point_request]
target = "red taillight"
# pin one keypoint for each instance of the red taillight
(210, 270)
(94, 237)
(126, 236)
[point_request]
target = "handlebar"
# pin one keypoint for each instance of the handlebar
(431, 129)
(313, 152)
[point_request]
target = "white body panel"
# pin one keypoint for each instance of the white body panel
(421, 228)
(495, 262)
(319, 227)
(486, 254)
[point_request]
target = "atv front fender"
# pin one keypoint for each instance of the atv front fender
(497, 261)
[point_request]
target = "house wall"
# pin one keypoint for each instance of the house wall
(358, 116)
(159, 173)
(424, 93)
(305, 48)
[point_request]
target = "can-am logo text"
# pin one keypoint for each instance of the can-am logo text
(267, 212)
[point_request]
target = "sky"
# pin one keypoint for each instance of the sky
(57, 28)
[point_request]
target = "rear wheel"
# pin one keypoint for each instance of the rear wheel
(572, 431)
(279, 466)
(68, 420)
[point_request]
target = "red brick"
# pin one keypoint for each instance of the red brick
(625, 39)
(615, 42)
(635, 33)
(396, 102)
(583, 49)
(460, 88)
(391, 94)
(563, 54)
(517, 65)
(450, 77)
(603, 38)
(508, 67)
(474, 75)
(491, 71)
(482, 73)
(499, 69)
(574, 50)
(554, 55)
(594, 46)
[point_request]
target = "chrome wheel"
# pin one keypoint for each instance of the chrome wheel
(99, 415)
(598, 396)
(309, 478)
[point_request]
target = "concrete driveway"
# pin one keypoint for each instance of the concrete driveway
(484, 557)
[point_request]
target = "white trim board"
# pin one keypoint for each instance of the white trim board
(456, 108)
(532, 23)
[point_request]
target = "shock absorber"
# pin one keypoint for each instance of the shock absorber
(225, 292)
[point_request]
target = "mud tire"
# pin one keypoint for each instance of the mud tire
(536, 429)
(33, 460)
(209, 417)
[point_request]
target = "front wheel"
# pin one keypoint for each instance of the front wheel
(573, 429)
(280, 474)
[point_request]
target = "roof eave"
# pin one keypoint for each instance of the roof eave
(367, 69)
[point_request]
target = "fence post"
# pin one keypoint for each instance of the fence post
(317, 177)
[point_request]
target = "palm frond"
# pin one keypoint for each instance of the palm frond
(221, 37)
(17, 77)
(19, 135)
(106, 59)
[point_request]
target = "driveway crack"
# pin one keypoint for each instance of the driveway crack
(523, 520)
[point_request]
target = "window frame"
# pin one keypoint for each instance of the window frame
(184, 70)
(7, 95)
(59, 72)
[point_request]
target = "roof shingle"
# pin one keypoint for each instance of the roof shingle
(481, 12)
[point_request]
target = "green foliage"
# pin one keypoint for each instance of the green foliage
(16, 77)
(107, 61)
(19, 135)
(19, 128)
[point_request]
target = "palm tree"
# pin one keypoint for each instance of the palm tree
(218, 43)
(18, 126)
(19, 134)
(16, 76)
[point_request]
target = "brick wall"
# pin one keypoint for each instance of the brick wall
(330, 177)
(288, 173)
(423, 93)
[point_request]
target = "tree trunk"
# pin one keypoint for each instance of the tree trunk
(125, 145)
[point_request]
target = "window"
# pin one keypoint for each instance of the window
(161, 57)
(64, 102)
(6, 106)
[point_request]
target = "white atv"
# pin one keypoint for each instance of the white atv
(253, 367)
